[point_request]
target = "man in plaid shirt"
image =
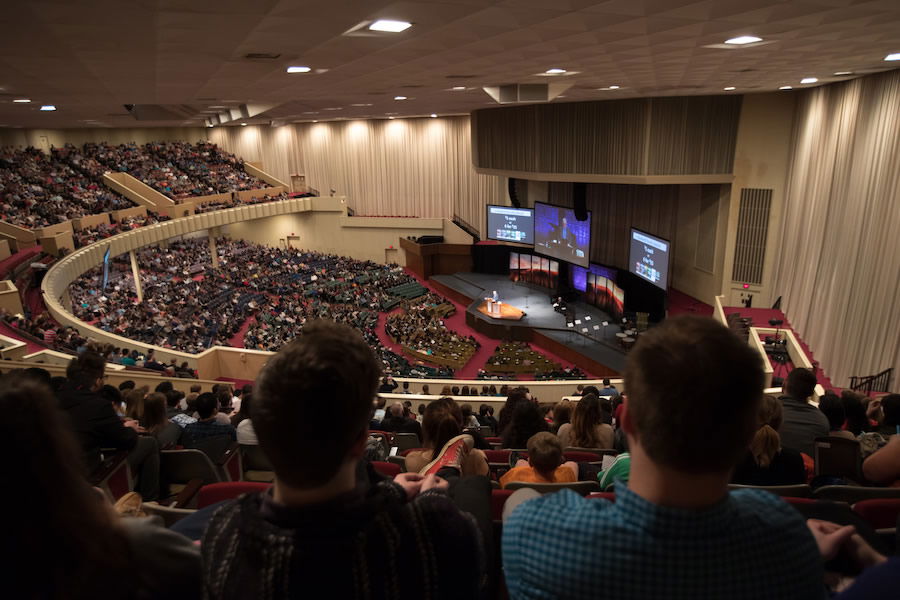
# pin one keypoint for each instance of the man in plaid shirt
(693, 389)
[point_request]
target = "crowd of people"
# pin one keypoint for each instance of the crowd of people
(37, 190)
(189, 306)
(673, 528)
(520, 357)
(176, 169)
(420, 328)
(88, 235)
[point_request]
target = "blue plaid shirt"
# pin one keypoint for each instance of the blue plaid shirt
(751, 545)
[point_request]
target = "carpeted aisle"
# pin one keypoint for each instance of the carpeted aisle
(237, 340)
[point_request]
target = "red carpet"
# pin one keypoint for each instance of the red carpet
(682, 304)
(761, 317)
(14, 333)
(237, 340)
(11, 262)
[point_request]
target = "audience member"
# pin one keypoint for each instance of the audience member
(883, 466)
(767, 463)
(587, 429)
(802, 422)
(831, 406)
(676, 517)
(526, 421)
(157, 423)
(545, 463)
(562, 414)
(441, 424)
(375, 538)
(207, 425)
(97, 426)
(608, 388)
(63, 540)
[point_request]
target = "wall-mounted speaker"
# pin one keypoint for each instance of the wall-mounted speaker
(579, 192)
(513, 192)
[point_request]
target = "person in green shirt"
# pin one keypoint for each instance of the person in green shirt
(619, 470)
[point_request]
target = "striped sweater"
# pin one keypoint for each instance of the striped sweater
(361, 545)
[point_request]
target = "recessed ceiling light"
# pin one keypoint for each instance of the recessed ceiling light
(21, 100)
(611, 87)
(433, 116)
(298, 69)
(334, 108)
(218, 106)
(459, 88)
(785, 87)
(555, 71)
(243, 124)
(809, 80)
(362, 104)
(390, 26)
(390, 117)
(894, 56)
(399, 97)
(743, 39)
(843, 73)
(730, 88)
(48, 108)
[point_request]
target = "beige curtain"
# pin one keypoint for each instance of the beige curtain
(400, 167)
(838, 268)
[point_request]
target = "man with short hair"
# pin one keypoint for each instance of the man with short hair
(97, 426)
(207, 426)
(802, 422)
(374, 538)
(674, 531)
(608, 388)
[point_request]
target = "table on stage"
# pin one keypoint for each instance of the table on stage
(489, 308)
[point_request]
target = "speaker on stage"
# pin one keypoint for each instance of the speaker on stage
(579, 192)
(513, 192)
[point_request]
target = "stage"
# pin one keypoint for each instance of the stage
(598, 350)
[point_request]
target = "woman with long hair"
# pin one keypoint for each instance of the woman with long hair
(526, 421)
(156, 423)
(62, 538)
(513, 400)
(590, 426)
(766, 462)
(443, 422)
(134, 403)
(562, 414)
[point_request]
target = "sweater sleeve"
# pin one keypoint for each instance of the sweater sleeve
(111, 432)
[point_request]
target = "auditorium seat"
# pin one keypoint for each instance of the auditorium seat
(388, 469)
(256, 464)
(793, 491)
(113, 476)
(406, 441)
(852, 494)
(580, 487)
(180, 468)
(498, 499)
(217, 492)
(838, 457)
(611, 496)
(587, 454)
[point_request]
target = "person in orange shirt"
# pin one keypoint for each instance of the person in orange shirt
(545, 463)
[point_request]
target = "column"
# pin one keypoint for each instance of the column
(137, 275)
(213, 252)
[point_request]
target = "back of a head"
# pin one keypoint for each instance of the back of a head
(545, 452)
(439, 424)
(590, 389)
(526, 421)
(606, 382)
(855, 412)
(562, 412)
(38, 375)
(396, 409)
(206, 405)
(694, 390)
(466, 410)
(92, 556)
(585, 419)
(134, 404)
(174, 398)
(164, 387)
(766, 442)
(154, 412)
(890, 404)
(329, 370)
(127, 385)
(831, 406)
(800, 384)
(86, 370)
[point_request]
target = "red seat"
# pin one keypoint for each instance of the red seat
(498, 499)
(385, 468)
(497, 456)
(880, 513)
(611, 496)
(229, 490)
(794, 501)
(576, 456)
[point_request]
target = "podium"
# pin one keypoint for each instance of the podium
(500, 310)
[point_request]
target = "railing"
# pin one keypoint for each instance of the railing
(880, 382)
(462, 224)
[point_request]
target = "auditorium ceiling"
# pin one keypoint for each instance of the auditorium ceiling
(183, 61)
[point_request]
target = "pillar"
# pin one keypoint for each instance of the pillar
(137, 275)
(213, 252)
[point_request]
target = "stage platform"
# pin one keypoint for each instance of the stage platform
(599, 352)
(508, 312)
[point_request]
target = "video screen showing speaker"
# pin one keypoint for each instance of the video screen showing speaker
(508, 224)
(649, 258)
(558, 234)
